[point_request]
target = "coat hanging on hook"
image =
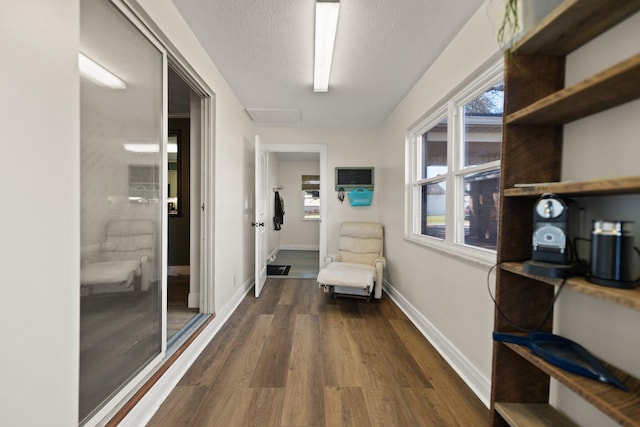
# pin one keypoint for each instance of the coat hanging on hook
(278, 218)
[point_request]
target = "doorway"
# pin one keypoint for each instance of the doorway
(296, 243)
(183, 237)
(280, 157)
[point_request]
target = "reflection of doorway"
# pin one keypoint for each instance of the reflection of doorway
(182, 286)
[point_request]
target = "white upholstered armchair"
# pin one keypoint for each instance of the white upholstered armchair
(126, 258)
(357, 268)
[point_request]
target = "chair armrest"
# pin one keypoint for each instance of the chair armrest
(379, 264)
(146, 271)
(382, 261)
(332, 258)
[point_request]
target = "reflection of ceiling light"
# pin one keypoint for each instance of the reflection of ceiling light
(150, 148)
(98, 74)
(326, 27)
(142, 148)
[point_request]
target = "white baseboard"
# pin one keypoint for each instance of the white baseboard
(479, 383)
(149, 404)
(194, 300)
(299, 248)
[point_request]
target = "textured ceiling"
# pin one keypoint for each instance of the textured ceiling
(264, 50)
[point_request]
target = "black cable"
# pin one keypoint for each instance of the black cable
(511, 322)
(578, 260)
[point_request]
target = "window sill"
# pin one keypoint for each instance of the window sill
(468, 254)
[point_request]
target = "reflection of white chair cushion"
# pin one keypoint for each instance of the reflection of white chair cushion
(108, 272)
(348, 274)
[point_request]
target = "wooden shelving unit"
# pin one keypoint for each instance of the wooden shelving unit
(537, 105)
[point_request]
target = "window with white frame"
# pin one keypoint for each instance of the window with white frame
(311, 197)
(453, 170)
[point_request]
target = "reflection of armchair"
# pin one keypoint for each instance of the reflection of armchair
(125, 258)
(358, 266)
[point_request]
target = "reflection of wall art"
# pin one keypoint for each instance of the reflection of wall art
(144, 182)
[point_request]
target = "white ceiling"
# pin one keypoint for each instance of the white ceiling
(264, 50)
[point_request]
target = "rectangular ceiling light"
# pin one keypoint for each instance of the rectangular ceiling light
(326, 26)
(98, 74)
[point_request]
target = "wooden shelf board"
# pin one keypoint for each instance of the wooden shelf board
(532, 415)
(607, 89)
(629, 298)
(572, 24)
(621, 406)
(598, 187)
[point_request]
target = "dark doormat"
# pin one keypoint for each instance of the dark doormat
(278, 270)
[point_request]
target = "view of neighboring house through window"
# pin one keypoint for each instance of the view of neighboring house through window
(311, 196)
(433, 186)
(454, 169)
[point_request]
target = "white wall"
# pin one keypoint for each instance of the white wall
(40, 226)
(273, 236)
(344, 148)
(450, 294)
(297, 233)
(234, 160)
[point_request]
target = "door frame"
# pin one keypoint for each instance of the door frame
(207, 150)
(322, 150)
(260, 223)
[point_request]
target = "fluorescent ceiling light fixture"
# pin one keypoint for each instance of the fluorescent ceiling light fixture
(150, 148)
(326, 26)
(98, 74)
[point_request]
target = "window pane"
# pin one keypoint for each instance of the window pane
(434, 151)
(311, 182)
(433, 210)
(311, 204)
(483, 127)
(481, 202)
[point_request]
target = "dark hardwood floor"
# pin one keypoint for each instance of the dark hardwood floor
(297, 357)
(178, 312)
(119, 334)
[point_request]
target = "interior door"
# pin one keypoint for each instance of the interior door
(260, 217)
